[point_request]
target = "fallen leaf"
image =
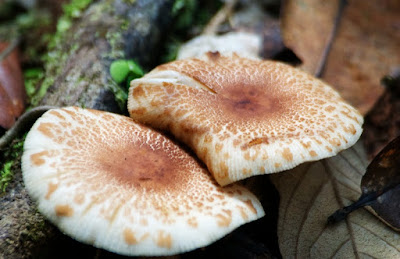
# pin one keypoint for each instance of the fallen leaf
(382, 123)
(12, 93)
(364, 49)
(313, 191)
(306, 26)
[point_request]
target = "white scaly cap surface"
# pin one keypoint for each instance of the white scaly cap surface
(245, 117)
(107, 181)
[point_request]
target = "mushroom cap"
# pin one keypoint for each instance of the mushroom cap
(246, 44)
(245, 117)
(105, 180)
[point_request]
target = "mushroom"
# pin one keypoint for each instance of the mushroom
(245, 117)
(244, 43)
(105, 180)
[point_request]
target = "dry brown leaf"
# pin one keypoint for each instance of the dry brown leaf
(306, 26)
(365, 48)
(312, 192)
(12, 92)
(7, 118)
(382, 123)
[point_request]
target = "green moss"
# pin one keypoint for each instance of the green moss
(6, 170)
(121, 70)
(57, 55)
(72, 10)
(32, 78)
(130, 1)
(75, 7)
(32, 20)
(38, 95)
(121, 96)
(125, 25)
(116, 45)
(6, 175)
(63, 24)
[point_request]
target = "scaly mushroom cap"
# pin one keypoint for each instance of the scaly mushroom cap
(107, 181)
(245, 117)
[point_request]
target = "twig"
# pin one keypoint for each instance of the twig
(219, 17)
(24, 122)
(321, 66)
(9, 49)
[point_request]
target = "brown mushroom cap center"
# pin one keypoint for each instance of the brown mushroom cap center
(141, 166)
(248, 100)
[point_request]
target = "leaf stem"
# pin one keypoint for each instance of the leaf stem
(321, 66)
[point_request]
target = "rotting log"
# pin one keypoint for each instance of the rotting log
(77, 73)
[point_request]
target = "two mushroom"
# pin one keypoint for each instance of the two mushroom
(109, 181)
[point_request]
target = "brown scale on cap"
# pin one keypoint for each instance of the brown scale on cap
(106, 180)
(243, 115)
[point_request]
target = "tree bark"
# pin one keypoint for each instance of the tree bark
(77, 73)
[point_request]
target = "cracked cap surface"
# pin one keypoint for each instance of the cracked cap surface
(105, 180)
(245, 117)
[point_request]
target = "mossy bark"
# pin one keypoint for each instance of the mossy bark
(77, 73)
(77, 67)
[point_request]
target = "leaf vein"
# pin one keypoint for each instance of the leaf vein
(340, 201)
(373, 233)
(290, 198)
(307, 211)
(332, 165)
(340, 247)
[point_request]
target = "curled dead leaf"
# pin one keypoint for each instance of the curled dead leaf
(313, 191)
(384, 170)
(380, 188)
